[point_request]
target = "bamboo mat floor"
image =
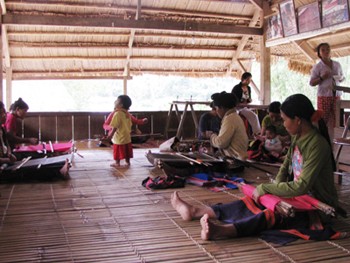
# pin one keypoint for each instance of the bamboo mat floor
(104, 215)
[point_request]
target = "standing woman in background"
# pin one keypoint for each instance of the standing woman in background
(18, 110)
(327, 74)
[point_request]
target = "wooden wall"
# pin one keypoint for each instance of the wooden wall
(65, 126)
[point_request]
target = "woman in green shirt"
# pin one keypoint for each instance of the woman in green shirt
(308, 169)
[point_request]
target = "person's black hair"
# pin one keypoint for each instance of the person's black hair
(212, 105)
(298, 105)
(224, 100)
(319, 48)
(2, 105)
(275, 107)
(271, 129)
(246, 75)
(126, 101)
(20, 104)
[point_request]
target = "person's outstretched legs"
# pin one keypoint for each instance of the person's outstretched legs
(189, 212)
(211, 230)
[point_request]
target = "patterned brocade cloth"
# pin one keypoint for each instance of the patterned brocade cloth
(328, 106)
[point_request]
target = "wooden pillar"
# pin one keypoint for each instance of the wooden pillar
(1, 61)
(8, 88)
(125, 85)
(265, 73)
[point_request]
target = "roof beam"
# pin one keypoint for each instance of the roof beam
(5, 46)
(257, 3)
(131, 41)
(3, 7)
(305, 48)
(108, 22)
(103, 74)
(243, 42)
(106, 58)
(118, 34)
(129, 8)
(97, 46)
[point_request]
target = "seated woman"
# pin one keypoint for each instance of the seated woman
(18, 111)
(60, 168)
(274, 119)
(232, 139)
(307, 169)
(209, 123)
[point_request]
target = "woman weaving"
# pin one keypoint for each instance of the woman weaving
(307, 169)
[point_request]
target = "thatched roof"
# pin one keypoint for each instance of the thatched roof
(113, 39)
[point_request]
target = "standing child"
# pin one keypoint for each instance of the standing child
(121, 131)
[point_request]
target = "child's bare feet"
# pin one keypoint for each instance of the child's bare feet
(183, 208)
(116, 166)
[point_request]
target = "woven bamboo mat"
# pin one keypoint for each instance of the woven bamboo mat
(104, 215)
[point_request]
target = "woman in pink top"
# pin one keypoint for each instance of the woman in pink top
(17, 112)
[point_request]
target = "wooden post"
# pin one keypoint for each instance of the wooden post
(1, 75)
(125, 85)
(8, 101)
(265, 71)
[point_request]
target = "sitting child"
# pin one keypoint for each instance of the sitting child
(272, 143)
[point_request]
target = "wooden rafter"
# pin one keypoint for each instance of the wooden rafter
(114, 58)
(3, 7)
(97, 46)
(5, 46)
(131, 41)
(129, 8)
(257, 3)
(305, 48)
(107, 22)
(243, 42)
(103, 74)
(121, 34)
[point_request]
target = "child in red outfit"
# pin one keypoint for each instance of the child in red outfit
(121, 131)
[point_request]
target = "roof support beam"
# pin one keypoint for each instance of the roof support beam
(108, 22)
(131, 42)
(5, 46)
(243, 42)
(113, 6)
(304, 47)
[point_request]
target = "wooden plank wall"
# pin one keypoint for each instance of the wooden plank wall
(65, 126)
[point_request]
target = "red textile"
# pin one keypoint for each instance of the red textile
(57, 147)
(122, 151)
(300, 203)
(328, 106)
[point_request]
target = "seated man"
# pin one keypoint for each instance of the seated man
(209, 123)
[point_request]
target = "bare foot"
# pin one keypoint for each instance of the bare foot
(64, 171)
(183, 208)
(115, 165)
(211, 230)
(119, 166)
(205, 233)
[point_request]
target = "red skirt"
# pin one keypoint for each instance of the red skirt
(328, 106)
(122, 151)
